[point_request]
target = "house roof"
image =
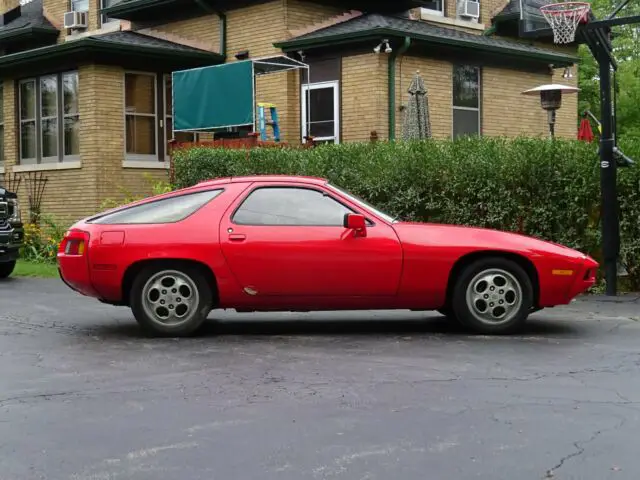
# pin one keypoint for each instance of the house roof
(126, 48)
(31, 21)
(374, 25)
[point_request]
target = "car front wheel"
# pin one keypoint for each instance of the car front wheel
(493, 296)
(171, 301)
(6, 268)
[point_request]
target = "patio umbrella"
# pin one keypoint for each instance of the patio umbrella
(584, 132)
(416, 119)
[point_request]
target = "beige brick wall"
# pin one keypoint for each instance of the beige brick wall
(299, 13)
(507, 112)
(54, 10)
(203, 29)
(437, 76)
(364, 97)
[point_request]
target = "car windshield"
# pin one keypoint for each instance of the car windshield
(363, 204)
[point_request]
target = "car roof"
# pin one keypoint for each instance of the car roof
(265, 178)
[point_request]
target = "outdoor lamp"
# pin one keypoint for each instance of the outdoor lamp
(551, 99)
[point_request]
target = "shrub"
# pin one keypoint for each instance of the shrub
(41, 240)
(157, 187)
(548, 189)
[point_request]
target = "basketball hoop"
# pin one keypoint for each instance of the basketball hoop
(564, 19)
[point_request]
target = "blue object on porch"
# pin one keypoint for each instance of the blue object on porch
(214, 97)
(262, 121)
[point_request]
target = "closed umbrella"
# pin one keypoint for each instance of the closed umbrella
(417, 124)
(584, 132)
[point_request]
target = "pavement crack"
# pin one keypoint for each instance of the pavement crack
(581, 446)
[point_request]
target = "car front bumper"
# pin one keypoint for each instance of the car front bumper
(11, 238)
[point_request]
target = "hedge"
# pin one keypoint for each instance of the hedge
(548, 189)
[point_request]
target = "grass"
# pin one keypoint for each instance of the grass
(25, 268)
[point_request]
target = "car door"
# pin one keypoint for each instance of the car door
(289, 240)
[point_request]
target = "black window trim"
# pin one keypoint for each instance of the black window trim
(171, 197)
(314, 188)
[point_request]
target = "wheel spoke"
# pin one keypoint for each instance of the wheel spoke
(170, 297)
(494, 296)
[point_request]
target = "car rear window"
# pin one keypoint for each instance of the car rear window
(166, 210)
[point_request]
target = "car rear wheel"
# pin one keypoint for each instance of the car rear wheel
(171, 301)
(493, 296)
(6, 268)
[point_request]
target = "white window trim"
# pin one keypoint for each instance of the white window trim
(335, 84)
(468, 109)
(136, 157)
(22, 121)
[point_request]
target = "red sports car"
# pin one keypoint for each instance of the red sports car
(288, 243)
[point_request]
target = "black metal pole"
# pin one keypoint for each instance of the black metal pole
(609, 209)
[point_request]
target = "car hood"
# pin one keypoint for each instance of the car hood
(473, 237)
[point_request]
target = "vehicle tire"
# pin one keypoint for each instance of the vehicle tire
(493, 296)
(6, 268)
(171, 300)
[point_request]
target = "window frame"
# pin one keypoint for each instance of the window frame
(296, 187)
(140, 157)
(2, 142)
(431, 11)
(38, 119)
(104, 20)
(41, 119)
(477, 109)
(72, 5)
(168, 114)
(335, 84)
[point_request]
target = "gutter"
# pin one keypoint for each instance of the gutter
(223, 26)
(392, 85)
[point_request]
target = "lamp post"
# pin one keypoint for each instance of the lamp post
(551, 100)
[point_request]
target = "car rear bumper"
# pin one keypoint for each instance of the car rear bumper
(74, 273)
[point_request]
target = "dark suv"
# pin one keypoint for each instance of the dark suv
(11, 232)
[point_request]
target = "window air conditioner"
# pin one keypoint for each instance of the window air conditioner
(469, 8)
(75, 20)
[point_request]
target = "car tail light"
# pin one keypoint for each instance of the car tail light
(74, 243)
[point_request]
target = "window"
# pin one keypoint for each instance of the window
(80, 5)
(290, 206)
(103, 18)
(1, 123)
(433, 7)
(466, 100)
(321, 111)
(167, 210)
(140, 116)
(49, 119)
(168, 119)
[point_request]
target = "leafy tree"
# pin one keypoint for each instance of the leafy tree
(625, 40)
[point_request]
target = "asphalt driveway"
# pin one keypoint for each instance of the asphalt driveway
(370, 395)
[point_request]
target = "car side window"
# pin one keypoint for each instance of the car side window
(290, 206)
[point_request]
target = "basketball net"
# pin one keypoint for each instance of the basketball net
(564, 19)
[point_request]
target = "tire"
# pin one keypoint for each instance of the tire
(186, 290)
(6, 268)
(478, 287)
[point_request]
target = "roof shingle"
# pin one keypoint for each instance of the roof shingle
(391, 24)
(31, 16)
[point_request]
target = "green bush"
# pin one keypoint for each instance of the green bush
(548, 189)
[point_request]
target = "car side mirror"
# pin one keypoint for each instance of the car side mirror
(357, 223)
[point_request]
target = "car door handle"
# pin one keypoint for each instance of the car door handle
(237, 237)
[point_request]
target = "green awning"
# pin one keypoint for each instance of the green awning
(213, 97)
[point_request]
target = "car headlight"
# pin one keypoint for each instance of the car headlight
(16, 216)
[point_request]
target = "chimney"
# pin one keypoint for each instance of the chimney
(9, 11)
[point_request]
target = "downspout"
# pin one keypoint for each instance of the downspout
(223, 25)
(392, 86)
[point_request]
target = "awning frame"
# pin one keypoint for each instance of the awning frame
(267, 65)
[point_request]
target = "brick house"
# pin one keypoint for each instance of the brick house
(90, 106)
